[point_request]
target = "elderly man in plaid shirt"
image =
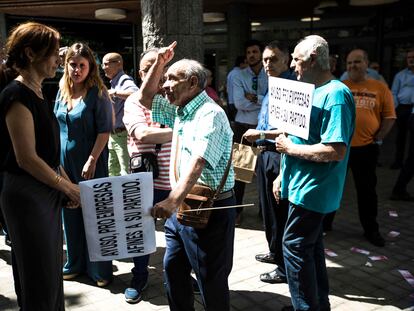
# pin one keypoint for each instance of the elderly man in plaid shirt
(203, 139)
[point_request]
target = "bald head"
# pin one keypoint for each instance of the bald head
(147, 59)
(112, 63)
(356, 65)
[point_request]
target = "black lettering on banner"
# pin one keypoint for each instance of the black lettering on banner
(109, 245)
(135, 242)
(133, 216)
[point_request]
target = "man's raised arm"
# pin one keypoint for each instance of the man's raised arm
(150, 85)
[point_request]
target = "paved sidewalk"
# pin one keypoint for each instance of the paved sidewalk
(357, 282)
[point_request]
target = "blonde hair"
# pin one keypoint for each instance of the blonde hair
(93, 78)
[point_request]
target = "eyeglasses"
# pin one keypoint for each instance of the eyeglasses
(109, 62)
(254, 83)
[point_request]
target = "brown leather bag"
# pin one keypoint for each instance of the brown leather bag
(200, 197)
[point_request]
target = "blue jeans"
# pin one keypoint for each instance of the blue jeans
(304, 256)
(209, 252)
(140, 271)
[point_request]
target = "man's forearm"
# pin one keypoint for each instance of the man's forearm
(123, 94)
(318, 152)
(187, 181)
(150, 85)
(153, 135)
(385, 128)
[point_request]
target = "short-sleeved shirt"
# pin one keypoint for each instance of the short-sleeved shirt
(203, 130)
(318, 186)
(46, 128)
(136, 116)
(373, 102)
(121, 82)
(79, 129)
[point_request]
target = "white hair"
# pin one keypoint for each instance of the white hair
(191, 68)
(315, 44)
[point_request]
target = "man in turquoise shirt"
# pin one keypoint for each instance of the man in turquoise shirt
(313, 175)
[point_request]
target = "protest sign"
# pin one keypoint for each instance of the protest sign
(116, 215)
(290, 104)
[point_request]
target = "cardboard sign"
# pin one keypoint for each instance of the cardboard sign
(290, 105)
(116, 215)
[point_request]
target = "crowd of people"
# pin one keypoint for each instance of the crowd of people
(93, 131)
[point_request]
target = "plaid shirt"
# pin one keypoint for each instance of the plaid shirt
(162, 111)
(203, 130)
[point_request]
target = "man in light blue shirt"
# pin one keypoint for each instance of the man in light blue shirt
(249, 89)
(313, 175)
(403, 92)
(239, 65)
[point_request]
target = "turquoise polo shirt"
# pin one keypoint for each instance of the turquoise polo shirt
(318, 186)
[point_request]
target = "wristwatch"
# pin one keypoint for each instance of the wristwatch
(262, 135)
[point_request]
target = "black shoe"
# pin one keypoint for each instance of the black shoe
(375, 238)
(288, 308)
(266, 258)
(401, 196)
(272, 277)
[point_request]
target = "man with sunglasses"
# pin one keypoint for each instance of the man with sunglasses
(249, 89)
(122, 86)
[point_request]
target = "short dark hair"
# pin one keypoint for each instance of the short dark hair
(275, 44)
(253, 42)
(239, 60)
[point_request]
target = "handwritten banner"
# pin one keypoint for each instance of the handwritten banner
(116, 215)
(290, 104)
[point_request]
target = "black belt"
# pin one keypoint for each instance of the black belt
(225, 195)
(267, 147)
(118, 130)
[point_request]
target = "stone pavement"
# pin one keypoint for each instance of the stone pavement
(357, 282)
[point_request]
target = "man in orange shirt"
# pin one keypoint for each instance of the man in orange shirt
(375, 116)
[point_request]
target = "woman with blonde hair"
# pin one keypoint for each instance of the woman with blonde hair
(33, 182)
(84, 112)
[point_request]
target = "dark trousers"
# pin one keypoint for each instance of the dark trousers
(32, 211)
(239, 129)
(363, 161)
(305, 260)
(274, 215)
(209, 252)
(403, 116)
(140, 270)
(407, 171)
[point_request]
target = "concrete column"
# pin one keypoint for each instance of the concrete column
(165, 21)
(238, 31)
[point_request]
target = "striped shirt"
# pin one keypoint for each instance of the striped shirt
(138, 117)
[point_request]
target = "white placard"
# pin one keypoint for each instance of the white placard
(290, 104)
(116, 215)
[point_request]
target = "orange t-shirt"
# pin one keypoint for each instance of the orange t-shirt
(373, 102)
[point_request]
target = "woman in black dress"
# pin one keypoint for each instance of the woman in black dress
(33, 181)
